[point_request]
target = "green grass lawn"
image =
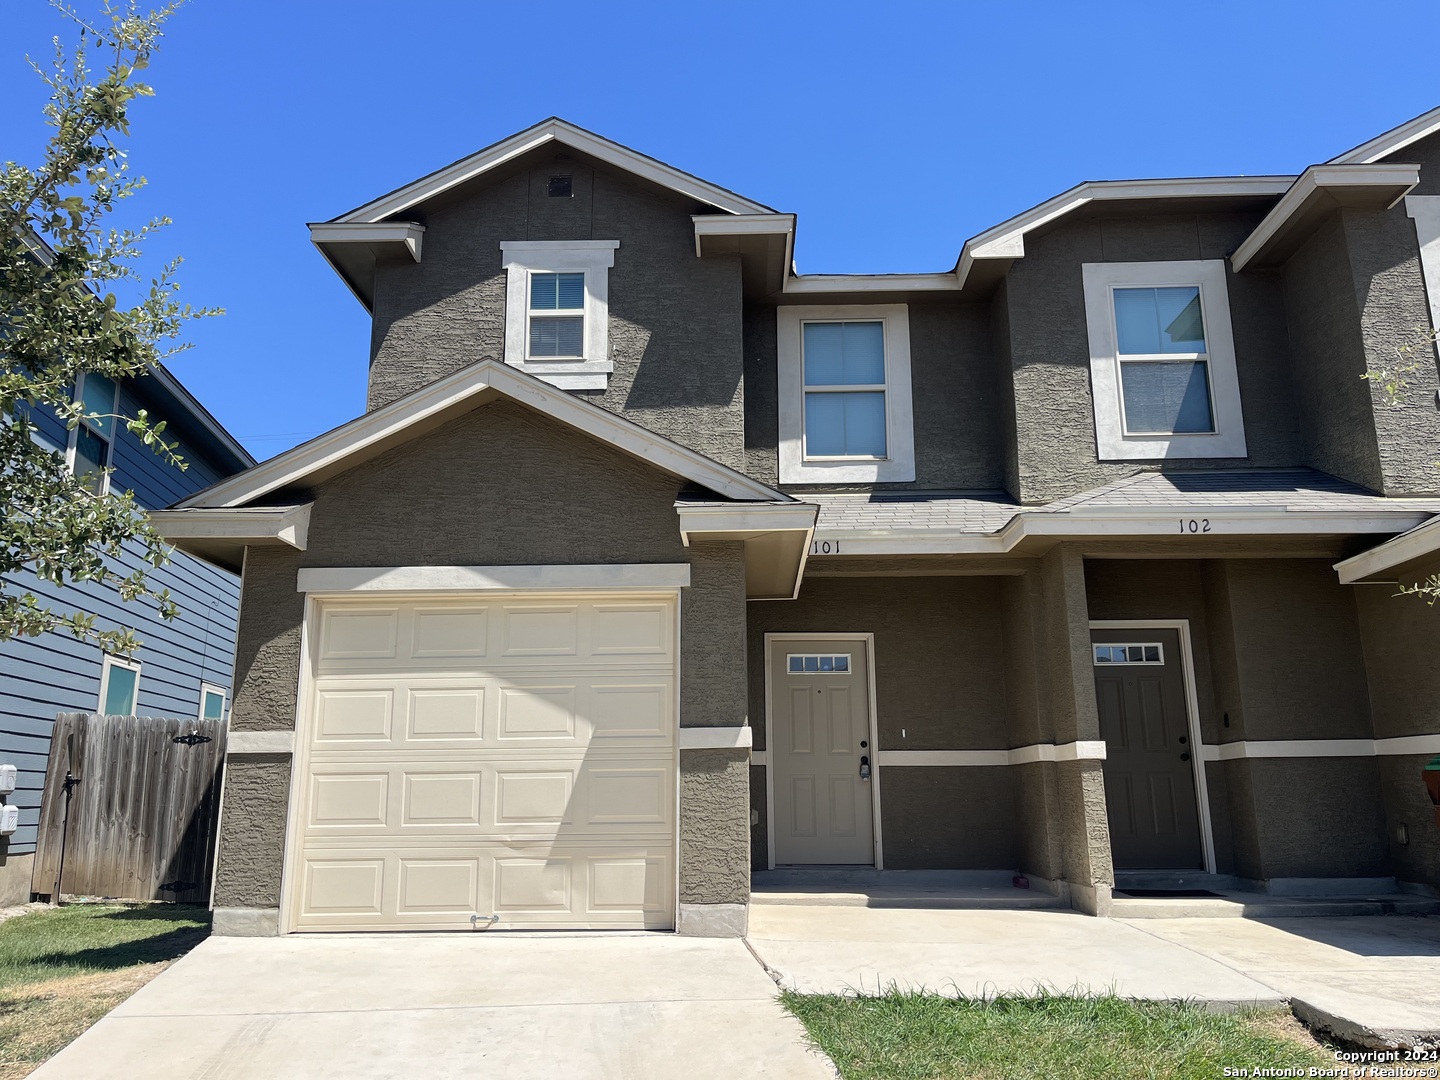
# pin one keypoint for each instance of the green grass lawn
(63, 969)
(910, 1036)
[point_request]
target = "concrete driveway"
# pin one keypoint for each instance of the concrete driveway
(440, 1006)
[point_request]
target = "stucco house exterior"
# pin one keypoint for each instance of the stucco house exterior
(653, 562)
(183, 667)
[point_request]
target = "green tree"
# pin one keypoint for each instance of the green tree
(64, 268)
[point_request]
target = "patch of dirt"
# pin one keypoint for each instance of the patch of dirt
(23, 909)
(1283, 1024)
(39, 1020)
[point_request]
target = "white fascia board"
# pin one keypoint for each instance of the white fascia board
(603, 576)
(557, 131)
(743, 225)
(288, 525)
(408, 234)
(716, 738)
(1395, 180)
(763, 518)
(1397, 138)
(1007, 240)
(1104, 523)
(1091, 750)
(1242, 749)
(1415, 544)
(827, 284)
(293, 466)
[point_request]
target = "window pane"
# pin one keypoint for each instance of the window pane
(120, 690)
(1152, 321)
(214, 707)
(1166, 398)
(845, 425)
(97, 395)
(557, 292)
(845, 354)
(797, 663)
(556, 337)
(91, 454)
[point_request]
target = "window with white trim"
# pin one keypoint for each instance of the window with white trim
(817, 663)
(92, 442)
(119, 686)
(1162, 361)
(557, 310)
(844, 394)
(212, 702)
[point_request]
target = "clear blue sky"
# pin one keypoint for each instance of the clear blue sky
(895, 130)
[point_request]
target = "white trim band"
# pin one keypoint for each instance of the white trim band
(1088, 750)
(717, 738)
(259, 742)
(1321, 748)
(333, 579)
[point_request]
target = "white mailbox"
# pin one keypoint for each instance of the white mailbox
(7, 779)
(9, 819)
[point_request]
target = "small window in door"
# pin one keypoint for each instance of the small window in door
(818, 663)
(212, 702)
(1149, 652)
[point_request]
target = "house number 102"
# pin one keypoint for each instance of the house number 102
(1194, 525)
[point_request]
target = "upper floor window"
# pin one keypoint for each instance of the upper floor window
(557, 310)
(1162, 361)
(92, 442)
(845, 406)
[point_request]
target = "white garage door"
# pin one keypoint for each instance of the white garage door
(504, 754)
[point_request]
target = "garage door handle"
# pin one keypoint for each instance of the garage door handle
(1185, 756)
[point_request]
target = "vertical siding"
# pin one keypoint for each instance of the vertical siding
(55, 673)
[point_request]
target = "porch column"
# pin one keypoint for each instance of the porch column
(1080, 822)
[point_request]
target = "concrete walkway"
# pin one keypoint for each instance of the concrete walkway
(442, 1006)
(1370, 979)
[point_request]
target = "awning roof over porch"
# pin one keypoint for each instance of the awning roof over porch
(1148, 504)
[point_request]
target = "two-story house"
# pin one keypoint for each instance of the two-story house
(653, 562)
(183, 667)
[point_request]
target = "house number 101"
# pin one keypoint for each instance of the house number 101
(1194, 525)
(825, 547)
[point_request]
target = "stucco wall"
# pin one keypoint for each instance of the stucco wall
(1050, 354)
(714, 826)
(1407, 804)
(1298, 656)
(935, 650)
(501, 485)
(675, 319)
(936, 818)
(1401, 640)
(251, 852)
(1318, 817)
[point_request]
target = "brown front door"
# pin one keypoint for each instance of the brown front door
(1149, 774)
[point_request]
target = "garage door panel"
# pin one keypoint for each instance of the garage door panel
(529, 886)
(507, 754)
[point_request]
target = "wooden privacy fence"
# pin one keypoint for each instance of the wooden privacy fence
(143, 808)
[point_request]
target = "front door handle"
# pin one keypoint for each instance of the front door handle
(864, 768)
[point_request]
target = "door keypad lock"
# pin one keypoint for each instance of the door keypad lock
(865, 768)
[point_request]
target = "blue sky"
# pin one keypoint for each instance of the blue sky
(895, 130)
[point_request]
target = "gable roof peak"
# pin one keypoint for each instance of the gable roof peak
(563, 132)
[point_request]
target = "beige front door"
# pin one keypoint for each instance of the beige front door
(820, 730)
(1149, 768)
(488, 754)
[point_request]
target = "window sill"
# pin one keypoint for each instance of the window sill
(570, 374)
(1171, 447)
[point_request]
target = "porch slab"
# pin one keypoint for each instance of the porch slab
(1239, 904)
(852, 949)
(1374, 981)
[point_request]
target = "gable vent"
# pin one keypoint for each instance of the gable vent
(560, 187)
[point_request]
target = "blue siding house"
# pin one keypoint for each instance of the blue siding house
(183, 667)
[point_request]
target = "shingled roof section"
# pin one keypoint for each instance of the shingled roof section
(983, 512)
